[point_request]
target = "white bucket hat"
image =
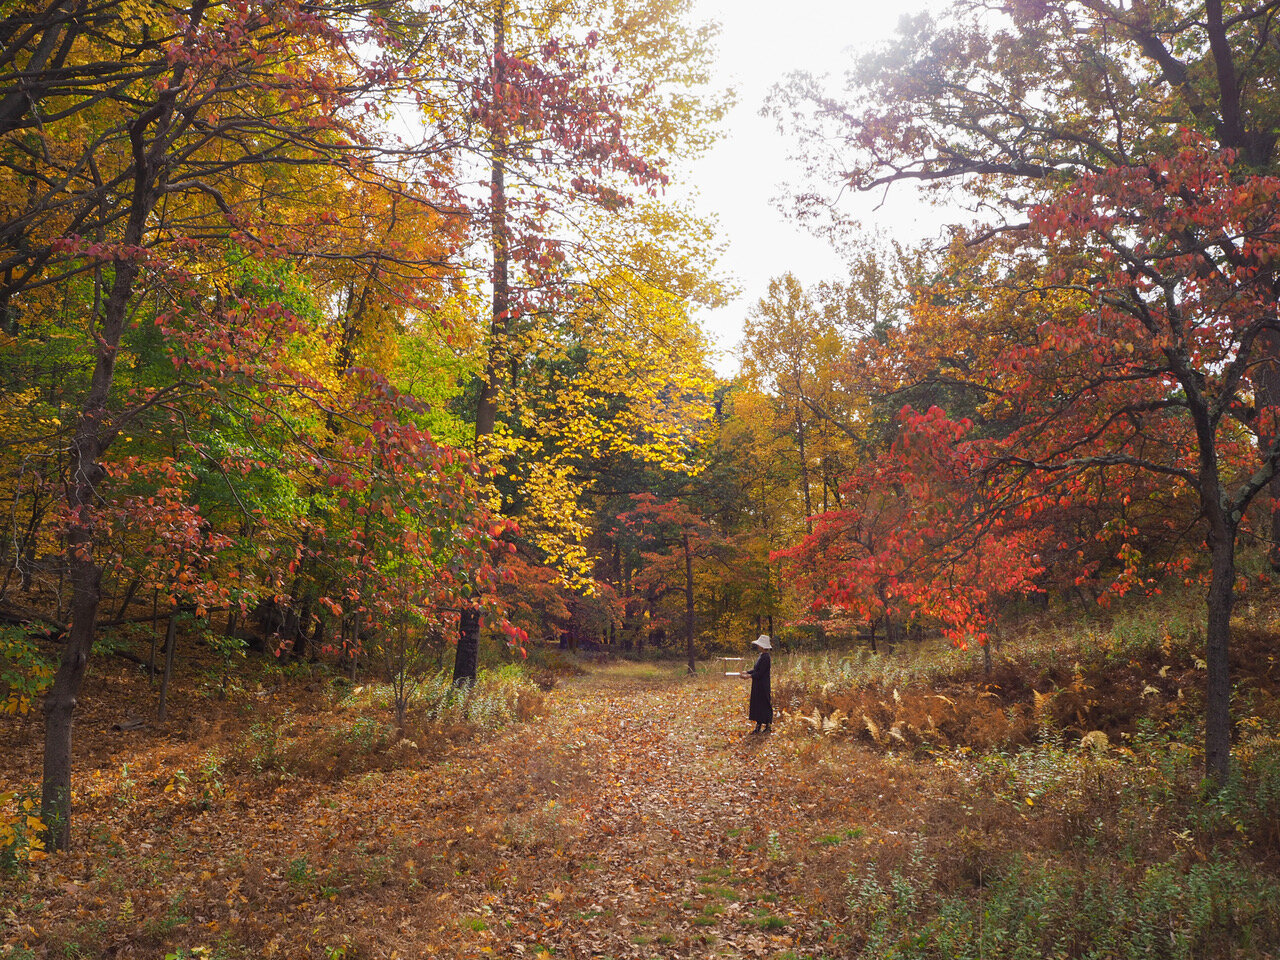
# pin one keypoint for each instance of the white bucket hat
(762, 642)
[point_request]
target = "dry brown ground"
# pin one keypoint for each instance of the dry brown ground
(636, 818)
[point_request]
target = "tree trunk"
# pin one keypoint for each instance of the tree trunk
(1223, 518)
(354, 649)
(50, 52)
(688, 602)
(316, 644)
(170, 642)
(1217, 728)
(129, 593)
(60, 702)
(155, 643)
(1268, 382)
(804, 473)
(92, 437)
(466, 663)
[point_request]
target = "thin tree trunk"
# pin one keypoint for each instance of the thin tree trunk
(1268, 383)
(155, 643)
(688, 602)
(1222, 528)
(317, 638)
(628, 621)
(355, 645)
(1217, 729)
(92, 436)
(170, 643)
(128, 597)
(49, 53)
(26, 550)
(804, 473)
(466, 663)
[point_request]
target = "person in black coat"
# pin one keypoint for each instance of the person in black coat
(761, 697)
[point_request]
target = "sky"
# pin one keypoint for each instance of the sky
(738, 180)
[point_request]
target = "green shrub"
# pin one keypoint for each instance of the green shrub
(24, 672)
(1172, 911)
(21, 831)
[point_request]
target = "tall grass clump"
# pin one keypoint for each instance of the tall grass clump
(500, 695)
(805, 675)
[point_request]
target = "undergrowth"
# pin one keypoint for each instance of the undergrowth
(1078, 822)
(1169, 627)
(499, 696)
(1071, 852)
(361, 735)
(1174, 909)
(1099, 677)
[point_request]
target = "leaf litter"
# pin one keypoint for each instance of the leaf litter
(634, 818)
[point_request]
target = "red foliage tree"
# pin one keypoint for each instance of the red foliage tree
(1156, 373)
(1160, 371)
(921, 534)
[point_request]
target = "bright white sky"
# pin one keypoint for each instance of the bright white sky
(738, 180)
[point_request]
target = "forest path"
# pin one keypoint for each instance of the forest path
(650, 823)
(637, 817)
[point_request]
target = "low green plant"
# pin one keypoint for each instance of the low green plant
(1175, 909)
(299, 872)
(126, 786)
(25, 673)
(210, 775)
(776, 850)
(21, 831)
(221, 681)
(264, 741)
(366, 733)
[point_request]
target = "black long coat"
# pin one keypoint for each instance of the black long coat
(761, 698)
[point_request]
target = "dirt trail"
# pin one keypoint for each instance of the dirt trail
(637, 818)
(666, 830)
